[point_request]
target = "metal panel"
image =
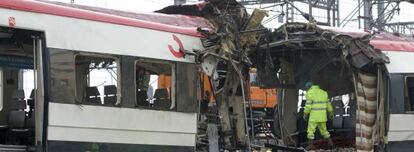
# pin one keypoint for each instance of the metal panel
(186, 86)
(128, 89)
(400, 62)
(396, 93)
(69, 122)
(399, 132)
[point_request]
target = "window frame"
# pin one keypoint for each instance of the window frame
(407, 100)
(173, 81)
(118, 78)
(1, 89)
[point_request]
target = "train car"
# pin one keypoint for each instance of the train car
(400, 50)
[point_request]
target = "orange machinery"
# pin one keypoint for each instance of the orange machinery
(261, 98)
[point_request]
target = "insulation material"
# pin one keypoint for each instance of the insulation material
(254, 22)
(366, 86)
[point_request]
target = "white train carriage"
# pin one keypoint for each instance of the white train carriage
(400, 116)
(70, 48)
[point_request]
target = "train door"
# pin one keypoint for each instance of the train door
(21, 89)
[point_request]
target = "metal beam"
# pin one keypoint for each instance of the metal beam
(381, 10)
(367, 14)
(400, 27)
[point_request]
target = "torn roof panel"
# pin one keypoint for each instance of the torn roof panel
(391, 42)
(383, 41)
(170, 23)
(355, 33)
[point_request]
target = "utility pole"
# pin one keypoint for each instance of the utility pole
(179, 2)
(367, 14)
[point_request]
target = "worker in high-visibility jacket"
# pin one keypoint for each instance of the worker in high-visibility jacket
(316, 111)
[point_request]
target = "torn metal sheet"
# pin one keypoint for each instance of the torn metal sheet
(225, 60)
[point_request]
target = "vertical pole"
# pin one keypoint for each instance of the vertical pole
(381, 10)
(331, 7)
(359, 14)
(337, 12)
(310, 8)
(367, 14)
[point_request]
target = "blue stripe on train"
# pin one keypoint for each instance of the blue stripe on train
(69, 146)
(16, 62)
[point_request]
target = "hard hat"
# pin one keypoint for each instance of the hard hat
(308, 85)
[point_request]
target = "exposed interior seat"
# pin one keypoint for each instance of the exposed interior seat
(162, 100)
(110, 97)
(338, 106)
(31, 103)
(92, 95)
(142, 98)
(17, 116)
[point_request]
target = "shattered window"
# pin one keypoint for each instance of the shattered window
(154, 83)
(96, 79)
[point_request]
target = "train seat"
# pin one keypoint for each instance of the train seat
(110, 97)
(162, 100)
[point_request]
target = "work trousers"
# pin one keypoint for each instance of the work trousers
(322, 129)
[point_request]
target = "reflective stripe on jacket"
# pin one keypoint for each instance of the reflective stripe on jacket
(317, 104)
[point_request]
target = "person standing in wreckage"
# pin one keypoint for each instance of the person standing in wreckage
(316, 113)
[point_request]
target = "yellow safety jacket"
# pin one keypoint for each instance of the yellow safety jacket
(317, 104)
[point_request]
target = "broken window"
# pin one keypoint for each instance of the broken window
(155, 84)
(409, 101)
(96, 79)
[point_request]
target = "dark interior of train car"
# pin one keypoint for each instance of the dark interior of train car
(17, 88)
(325, 69)
(301, 57)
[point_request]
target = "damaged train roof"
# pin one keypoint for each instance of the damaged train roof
(381, 41)
(183, 24)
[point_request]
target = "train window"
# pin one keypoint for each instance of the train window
(409, 94)
(155, 84)
(97, 79)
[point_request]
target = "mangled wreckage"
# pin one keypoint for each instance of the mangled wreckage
(343, 63)
(353, 64)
